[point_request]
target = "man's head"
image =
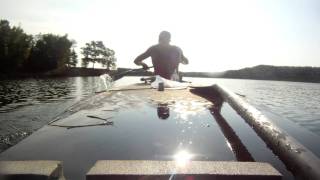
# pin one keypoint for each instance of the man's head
(164, 37)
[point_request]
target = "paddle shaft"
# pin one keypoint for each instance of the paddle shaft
(114, 77)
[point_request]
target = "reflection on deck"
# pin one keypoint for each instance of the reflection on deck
(147, 125)
(233, 141)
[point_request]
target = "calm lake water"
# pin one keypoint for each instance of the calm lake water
(32, 99)
(294, 101)
(26, 105)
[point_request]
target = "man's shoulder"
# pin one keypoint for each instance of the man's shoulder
(158, 47)
(154, 46)
(175, 47)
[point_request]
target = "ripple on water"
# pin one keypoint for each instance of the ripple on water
(19, 93)
(295, 101)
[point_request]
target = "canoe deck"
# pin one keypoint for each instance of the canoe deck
(134, 123)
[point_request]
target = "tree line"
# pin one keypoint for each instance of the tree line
(282, 73)
(21, 52)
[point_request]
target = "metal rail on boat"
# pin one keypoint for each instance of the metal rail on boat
(299, 159)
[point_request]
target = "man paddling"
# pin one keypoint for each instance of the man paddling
(165, 58)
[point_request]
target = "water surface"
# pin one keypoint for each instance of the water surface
(26, 105)
(294, 101)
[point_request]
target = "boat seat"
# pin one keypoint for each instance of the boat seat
(31, 170)
(225, 170)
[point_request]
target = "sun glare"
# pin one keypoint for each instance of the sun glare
(182, 158)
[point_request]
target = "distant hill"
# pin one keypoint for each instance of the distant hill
(282, 73)
(137, 72)
(203, 74)
(260, 72)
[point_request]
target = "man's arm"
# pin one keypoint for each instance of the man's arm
(183, 59)
(141, 57)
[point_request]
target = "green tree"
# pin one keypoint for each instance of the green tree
(49, 52)
(15, 47)
(87, 57)
(96, 52)
(107, 56)
(73, 59)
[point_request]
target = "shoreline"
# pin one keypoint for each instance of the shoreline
(246, 74)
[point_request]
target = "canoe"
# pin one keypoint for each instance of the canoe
(133, 125)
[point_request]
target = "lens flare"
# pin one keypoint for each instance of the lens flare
(182, 158)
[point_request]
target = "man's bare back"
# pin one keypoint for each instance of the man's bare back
(165, 57)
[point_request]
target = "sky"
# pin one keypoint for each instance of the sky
(215, 35)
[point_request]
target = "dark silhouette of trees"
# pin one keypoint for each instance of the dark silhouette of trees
(23, 53)
(283, 73)
(87, 55)
(49, 52)
(14, 47)
(73, 59)
(108, 59)
(96, 52)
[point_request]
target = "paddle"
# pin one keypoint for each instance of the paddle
(120, 75)
(107, 79)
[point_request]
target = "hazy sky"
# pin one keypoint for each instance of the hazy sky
(215, 35)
